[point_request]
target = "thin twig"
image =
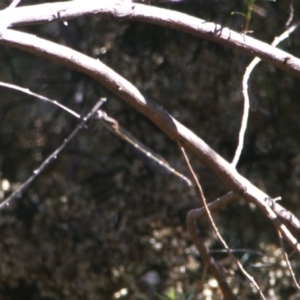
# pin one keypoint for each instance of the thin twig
(203, 200)
(291, 14)
(237, 251)
(51, 157)
(246, 77)
(43, 98)
(286, 258)
(215, 205)
(245, 116)
(288, 218)
(285, 34)
(208, 260)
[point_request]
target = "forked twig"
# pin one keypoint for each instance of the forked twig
(291, 14)
(203, 200)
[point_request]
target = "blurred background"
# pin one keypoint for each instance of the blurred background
(99, 223)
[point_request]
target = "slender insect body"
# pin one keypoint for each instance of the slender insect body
(113, 126)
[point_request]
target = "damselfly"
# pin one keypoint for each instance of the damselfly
(113, 126)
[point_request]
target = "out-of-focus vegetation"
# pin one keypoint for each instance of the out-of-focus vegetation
(99, 223)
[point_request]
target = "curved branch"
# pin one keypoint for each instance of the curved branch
(131, 95)
(117, 9)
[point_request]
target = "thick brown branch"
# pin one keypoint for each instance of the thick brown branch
(175, 130)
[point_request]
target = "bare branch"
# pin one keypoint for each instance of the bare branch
(286, 216)
(212, 222)
(123, 10)
(285, 34)
(214, 206)
(131, 95)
